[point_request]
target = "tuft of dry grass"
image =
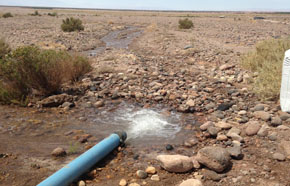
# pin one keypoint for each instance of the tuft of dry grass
(30, 69)
(4, 48)
(7, 15)
(185, 23)
(267, 61)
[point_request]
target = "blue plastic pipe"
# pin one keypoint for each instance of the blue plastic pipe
(84, 162)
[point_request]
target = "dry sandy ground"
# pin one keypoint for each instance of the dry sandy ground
(28, 135)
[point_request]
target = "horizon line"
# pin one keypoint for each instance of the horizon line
(151, 10)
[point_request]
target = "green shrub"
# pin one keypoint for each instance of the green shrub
(267, 60)
(54, 14)
(72, 24)
(4, 49)
(185, 23)
(6, 15)
(36, 13)
(43, 71)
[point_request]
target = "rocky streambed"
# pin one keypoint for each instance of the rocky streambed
(181, 95)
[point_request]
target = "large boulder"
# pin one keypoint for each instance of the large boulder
(215, 158)
(175, 163)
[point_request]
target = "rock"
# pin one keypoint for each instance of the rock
(82, 183)
(191, 142)
(141, 174)
(237, 137)
(285, 145)
(252, 128)
(55, 100)
(276, 121)
(191, 182)
(215, 158)
(211, 175)
(213, 131)
(273, 136)
(283, 127)
(99, 104)
(263, 131)
(151, 170)
(206, 125)
(190, 103)
(57, 152)
(195, 163)
(219, 114)
(278, 156)
(259, 107)
(262, 115)
(284, 116)
(133, 184)
(169, 147)
(123, 182)
(235, 151)
(242, 112)
(233, 130)
(223, 125)
(155, 177)
(188, 47)
(175, 163)
(67, 104)
(224, 106)
(221, 137)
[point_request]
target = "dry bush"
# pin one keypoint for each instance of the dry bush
(6, 15)
(36, 13)
(267, 60)
(72, 24)
(30, 69)
(185, 23)
(54, 14)
(4, 48)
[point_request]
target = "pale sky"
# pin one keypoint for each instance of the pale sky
(234, 5)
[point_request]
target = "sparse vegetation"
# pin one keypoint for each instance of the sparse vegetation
(31, 69)
(54, 14)
(4, 49)
(185, 23)
(72, 24)
(267, 60)
(6, 15)
(36, 13)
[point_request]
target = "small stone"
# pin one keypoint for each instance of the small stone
(235, 151)
(273, 136)
(285, 145)
(259, 107)
(99, 103)
(262, 115)
(276, 121)
(211, 175)
(284, 116)
(57, 152)
(263, 131)
(233, 130)
(213, 131)
(141, 174)
(252, 128)
(151, 170)
(206, 125)
(190, 103)
(225, 106)
(223, 125)
(175, 163)
(215, 158)
(242, 112)
(191, 182)
(133, 184)
(155, 177)
(279, 156)
(221, 137)
(169, 147)
(82, 183)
